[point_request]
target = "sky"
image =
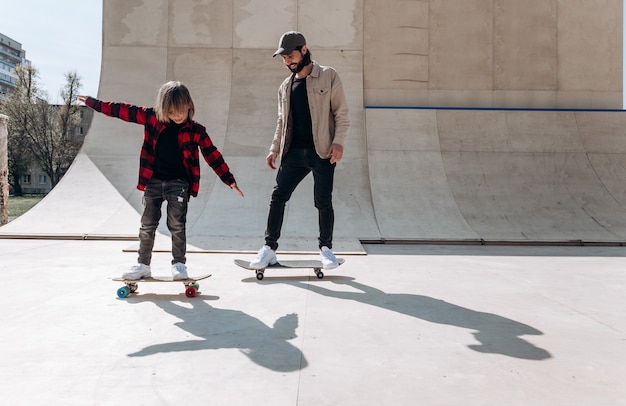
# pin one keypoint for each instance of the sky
(59, 36)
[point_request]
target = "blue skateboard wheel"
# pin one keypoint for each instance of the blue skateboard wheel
(122, 292)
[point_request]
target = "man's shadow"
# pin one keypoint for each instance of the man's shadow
(496, 334)
(217, 328)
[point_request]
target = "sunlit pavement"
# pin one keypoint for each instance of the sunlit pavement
(403, 325)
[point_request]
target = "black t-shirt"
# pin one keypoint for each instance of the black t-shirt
(169, 157)
(301, 115)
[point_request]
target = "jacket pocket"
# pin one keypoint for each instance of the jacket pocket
(321, 90)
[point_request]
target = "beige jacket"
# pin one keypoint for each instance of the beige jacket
(329, 111)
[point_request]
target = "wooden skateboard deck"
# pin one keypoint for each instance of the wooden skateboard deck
(191, 284)
(289, 264)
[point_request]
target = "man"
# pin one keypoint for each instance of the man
(311, 129)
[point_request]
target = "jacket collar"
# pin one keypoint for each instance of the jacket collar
(315, 72)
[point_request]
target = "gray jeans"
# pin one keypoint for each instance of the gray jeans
(176, 193)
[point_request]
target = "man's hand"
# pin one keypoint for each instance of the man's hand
(271, 160)
(335, 153)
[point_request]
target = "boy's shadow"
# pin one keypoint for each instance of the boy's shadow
(217, 328)
(496, 334)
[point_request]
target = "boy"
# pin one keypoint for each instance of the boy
(169, 168)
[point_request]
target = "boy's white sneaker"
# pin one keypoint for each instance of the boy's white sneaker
(179, 271)
(264, 258)
(138, 271)
(329, 261)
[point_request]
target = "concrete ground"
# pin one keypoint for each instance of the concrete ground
(402, 325)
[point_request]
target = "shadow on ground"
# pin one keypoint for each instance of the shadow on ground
(496, 334)
(218, 328)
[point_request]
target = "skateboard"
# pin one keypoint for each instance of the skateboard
(191, 284)
(289, 264)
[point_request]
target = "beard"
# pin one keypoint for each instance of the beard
(306, 59)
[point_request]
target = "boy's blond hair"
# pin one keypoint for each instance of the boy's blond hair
(173, 96)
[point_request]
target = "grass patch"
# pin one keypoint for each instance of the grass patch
(19, 205)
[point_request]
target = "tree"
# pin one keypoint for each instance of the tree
(41, 134)
(19, 107)
(55, 144)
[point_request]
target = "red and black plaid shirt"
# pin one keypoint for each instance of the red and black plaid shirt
(191, 138)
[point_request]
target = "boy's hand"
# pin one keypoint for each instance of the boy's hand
(236, 189)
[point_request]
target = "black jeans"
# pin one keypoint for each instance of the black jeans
(176, 193)
(294, 167)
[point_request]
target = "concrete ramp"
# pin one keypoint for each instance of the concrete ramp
(498, 175)
(407, 174)
(227, 64)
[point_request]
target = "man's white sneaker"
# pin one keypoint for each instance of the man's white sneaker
(264, 258)
(329, 261)
(138, 271)
(179, 271)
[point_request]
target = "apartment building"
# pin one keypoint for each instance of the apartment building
(11, 54)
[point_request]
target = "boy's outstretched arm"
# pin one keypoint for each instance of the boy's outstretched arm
(124, 111)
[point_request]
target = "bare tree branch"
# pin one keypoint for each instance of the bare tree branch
(41, 134)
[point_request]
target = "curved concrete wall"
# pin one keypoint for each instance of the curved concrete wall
(407, 173)
(494, 53)
(498, 175)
